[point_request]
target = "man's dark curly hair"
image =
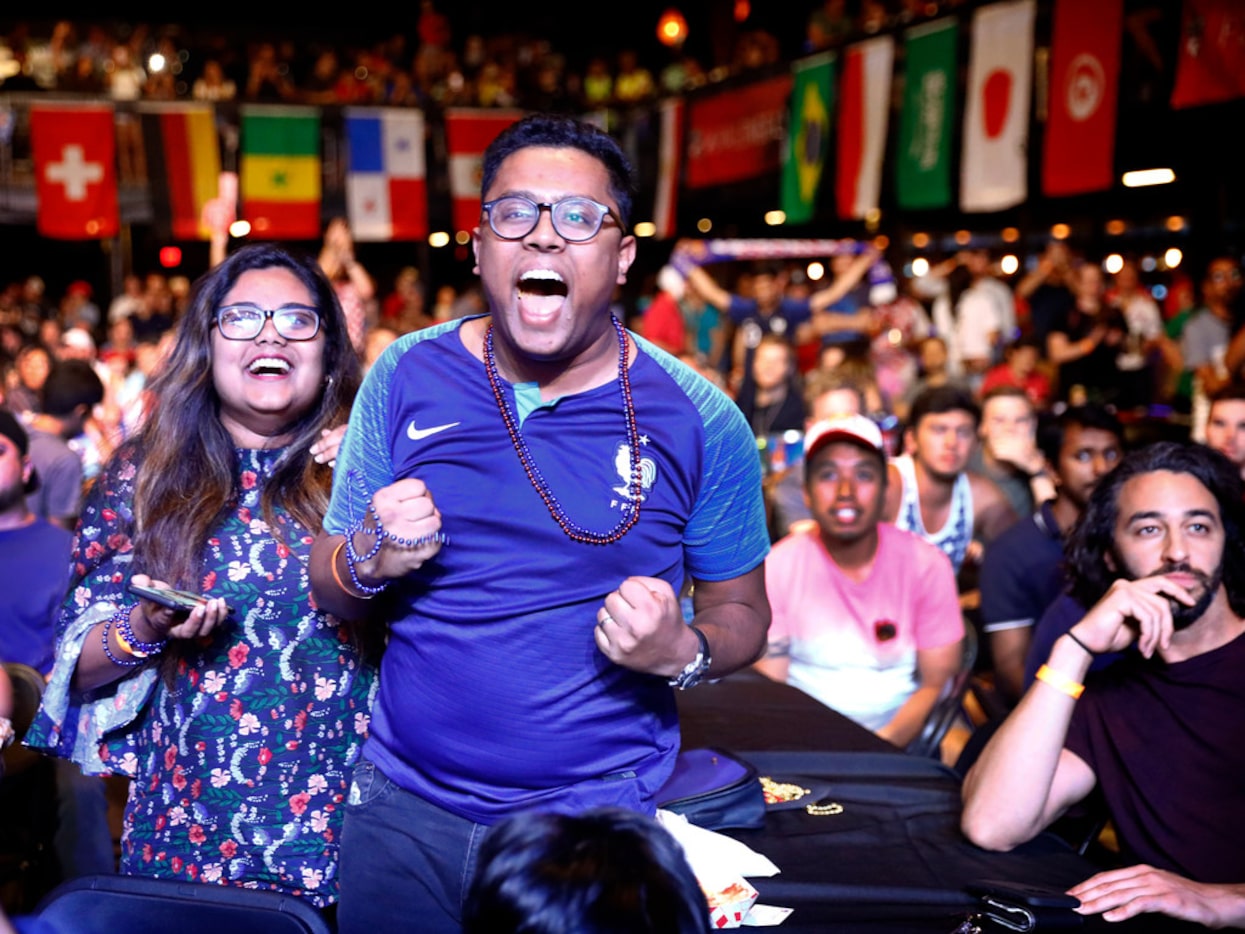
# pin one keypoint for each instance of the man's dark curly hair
(1093, 538)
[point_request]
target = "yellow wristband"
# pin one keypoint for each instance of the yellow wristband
(1060, 682)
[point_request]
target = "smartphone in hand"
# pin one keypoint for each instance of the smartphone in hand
(180, 600)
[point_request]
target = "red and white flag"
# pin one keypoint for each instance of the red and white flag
(1084, 78)
(386, 196)
(996, 121)
(864, 106)
(1211, 66)
(74, 152)
(669, 164)
(467, 134)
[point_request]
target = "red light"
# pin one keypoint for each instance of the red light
(170, 256)
(672, 28)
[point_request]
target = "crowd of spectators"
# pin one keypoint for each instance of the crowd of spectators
(430, 67)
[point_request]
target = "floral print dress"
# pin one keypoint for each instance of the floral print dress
(242, 760)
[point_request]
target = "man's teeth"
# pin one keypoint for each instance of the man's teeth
(269, 364)
(846, 515)
(546, 275)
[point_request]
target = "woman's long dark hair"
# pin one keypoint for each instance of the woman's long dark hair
(187, 459)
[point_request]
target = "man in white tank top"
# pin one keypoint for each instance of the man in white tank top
(931, 492)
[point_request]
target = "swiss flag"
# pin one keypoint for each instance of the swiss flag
(75, 172)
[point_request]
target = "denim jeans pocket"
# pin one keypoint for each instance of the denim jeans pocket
(368, 785)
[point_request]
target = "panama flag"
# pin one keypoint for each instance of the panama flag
(467, 134)
(386, 195)
(996, 121)
(864, 106)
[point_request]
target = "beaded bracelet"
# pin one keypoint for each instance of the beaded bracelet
(131, 643)
(121, 662)
(353, 558)
(439, 538)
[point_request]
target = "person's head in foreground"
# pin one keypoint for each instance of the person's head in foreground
(608, 871)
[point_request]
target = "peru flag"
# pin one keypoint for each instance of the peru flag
(864, 105)
(468, 133)
(74, 151)
(996, 120)
(1084, 74)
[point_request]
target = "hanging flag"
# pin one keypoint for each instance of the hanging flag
(737, 135)
(923, 163)
(808, 135)
(1211, 63)
(386, 196)
(864, 108)
(183, 159)
(1084, 80)
(281, 171)
(669, 164)
(996, 121)
(467, 134)
(74, 150)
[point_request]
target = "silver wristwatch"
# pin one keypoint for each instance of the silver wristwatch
(695, 670)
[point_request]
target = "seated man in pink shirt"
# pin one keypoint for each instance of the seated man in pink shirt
(865, 616)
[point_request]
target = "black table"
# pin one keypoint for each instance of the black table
(893, 860)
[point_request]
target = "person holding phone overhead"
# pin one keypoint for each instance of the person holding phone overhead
(240, 720)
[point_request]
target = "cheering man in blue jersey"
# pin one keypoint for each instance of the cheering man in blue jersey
(523, 493)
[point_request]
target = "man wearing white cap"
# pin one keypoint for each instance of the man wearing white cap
(865, 616)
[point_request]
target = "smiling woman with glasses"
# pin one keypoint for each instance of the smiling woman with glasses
(244, 322)
(219, 495)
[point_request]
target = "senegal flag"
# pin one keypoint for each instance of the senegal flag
(281, 172)
(808, 136)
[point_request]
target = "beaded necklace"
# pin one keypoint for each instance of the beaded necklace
(573, 530)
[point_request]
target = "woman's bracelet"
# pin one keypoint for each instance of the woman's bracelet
(353, 558)
(131, 643)
(132, 662)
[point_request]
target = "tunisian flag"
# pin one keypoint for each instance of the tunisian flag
(996, 119)
(864, 105)
(74, 152)
(467, 134)
(1211, 66)
(1084, 75)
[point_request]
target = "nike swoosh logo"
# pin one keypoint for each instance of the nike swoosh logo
(419, 434)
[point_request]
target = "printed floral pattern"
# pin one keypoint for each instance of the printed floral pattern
(242, 765)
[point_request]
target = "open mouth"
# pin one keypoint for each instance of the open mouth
(542, 283)
(268, 366)
(542, 293)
